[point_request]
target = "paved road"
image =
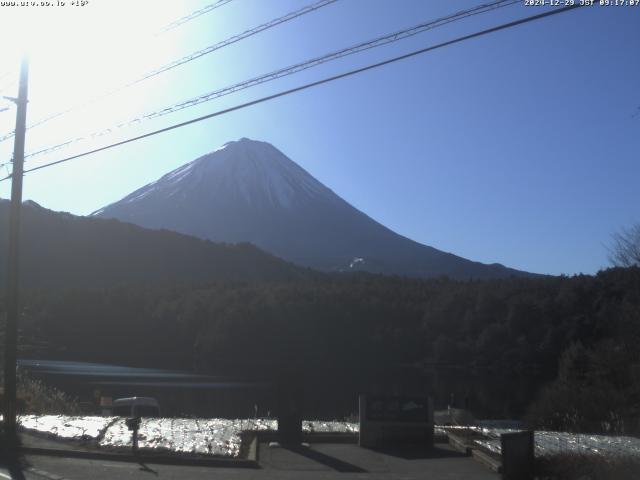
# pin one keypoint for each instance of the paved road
(320, 461)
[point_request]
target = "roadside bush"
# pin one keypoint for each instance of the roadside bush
(574, 466)
(40, 399)
(595, 392)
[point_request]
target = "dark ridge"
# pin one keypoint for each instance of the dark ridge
(60, 249)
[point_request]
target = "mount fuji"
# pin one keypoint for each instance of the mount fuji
(249, 191)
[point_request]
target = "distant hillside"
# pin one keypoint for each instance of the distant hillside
(59, 249)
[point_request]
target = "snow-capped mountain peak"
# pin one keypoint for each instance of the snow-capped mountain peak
(249, 191)
(253, 172)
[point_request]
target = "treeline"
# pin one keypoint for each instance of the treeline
(567, 338)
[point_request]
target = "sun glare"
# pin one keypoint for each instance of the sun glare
(78, 51)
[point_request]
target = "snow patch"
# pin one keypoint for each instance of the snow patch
(139, 196)
(356, 261)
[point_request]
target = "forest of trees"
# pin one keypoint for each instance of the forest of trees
(561, 351)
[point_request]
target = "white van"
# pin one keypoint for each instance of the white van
(136, 407)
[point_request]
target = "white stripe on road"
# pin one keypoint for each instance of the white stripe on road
(40, 473)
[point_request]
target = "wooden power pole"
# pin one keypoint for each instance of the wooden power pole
(11, 329)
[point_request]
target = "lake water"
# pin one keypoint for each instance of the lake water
(189, 394)
(179, 393)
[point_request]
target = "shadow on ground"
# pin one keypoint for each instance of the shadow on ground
(324, 459)
(145, 468)
(417, 452)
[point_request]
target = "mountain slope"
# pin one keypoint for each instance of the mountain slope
(59, 249)
(248, 191)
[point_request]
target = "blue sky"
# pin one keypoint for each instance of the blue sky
(519, 147)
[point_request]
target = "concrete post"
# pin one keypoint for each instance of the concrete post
(517, 455)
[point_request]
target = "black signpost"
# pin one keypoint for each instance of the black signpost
(133, 424)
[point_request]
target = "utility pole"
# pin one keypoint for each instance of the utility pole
(11, 329)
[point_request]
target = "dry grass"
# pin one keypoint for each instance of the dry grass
(38, 398)
(573, 466)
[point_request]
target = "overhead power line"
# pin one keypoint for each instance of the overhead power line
(193, 15)
(236, 38)
(4, 105)
(186, 59)
(290, 70)
(313, 84)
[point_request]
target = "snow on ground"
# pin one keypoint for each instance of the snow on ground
(222, 437)
(318, 426)
(66, 427)
(551, 443)
(204, 436)
(197, 436)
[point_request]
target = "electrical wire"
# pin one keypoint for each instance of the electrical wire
(186, 59)
(193, 15)
(290, 70)
(236, 38)
(314, 84)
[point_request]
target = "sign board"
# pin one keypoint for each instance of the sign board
(398, 409)
(395, 419)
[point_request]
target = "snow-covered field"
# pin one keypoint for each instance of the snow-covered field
(550, 443)
(223, 437)
(66, 427)
(212, 436)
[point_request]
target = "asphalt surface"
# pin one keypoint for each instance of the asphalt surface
(319, 461)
